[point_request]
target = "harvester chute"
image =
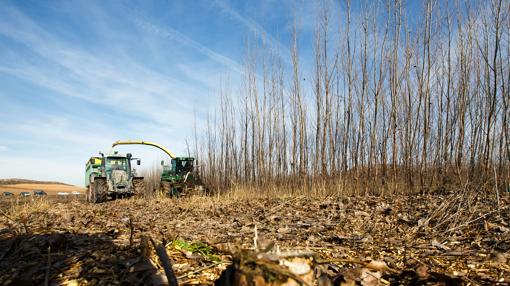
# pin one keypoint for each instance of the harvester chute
(129, 142)
(179, 178)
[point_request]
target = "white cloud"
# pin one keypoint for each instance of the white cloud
(119, 82)
(3, 148)
(255, 28)
(168, 32)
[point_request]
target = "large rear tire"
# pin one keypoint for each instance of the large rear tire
(90, 196)
(166, 188)
(87, 194)
(101, 190)
(97, 191)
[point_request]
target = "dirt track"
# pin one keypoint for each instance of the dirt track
(419, 238)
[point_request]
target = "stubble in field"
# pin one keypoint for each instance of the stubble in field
(432, 239)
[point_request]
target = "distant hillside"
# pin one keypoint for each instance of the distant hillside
(25, 181)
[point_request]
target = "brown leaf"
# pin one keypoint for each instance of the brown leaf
(377, 265)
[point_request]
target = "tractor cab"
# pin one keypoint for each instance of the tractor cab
(182, 165)
(179, 168)
(117, 163)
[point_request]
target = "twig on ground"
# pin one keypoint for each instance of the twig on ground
(357, 261)
(476, 219)
(131, 231)
(165, 262)
(48, 266)
(15, 221)
(497, 188)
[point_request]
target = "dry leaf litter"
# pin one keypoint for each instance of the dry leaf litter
(427, 239)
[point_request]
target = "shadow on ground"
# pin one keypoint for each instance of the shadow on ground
(77, 258)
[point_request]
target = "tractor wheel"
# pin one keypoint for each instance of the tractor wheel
(138, 186)
(91, 193)
(166, 188)
(87, 193)
(172, 190)
(98, 191)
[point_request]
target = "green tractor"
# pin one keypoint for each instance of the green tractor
(111, 177)
(179, 178)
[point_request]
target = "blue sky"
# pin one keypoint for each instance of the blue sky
(77, 75)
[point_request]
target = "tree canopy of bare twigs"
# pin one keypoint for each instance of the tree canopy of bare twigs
(392, 102)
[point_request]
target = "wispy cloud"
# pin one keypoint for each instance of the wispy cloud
(103, 97)
(255, 28)
(120, 83)
(168, 32)
(76, 76)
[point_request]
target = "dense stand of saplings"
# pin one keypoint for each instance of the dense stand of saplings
(393, 101)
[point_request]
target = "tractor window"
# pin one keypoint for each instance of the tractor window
(188, 165)
(181, 166)
(116, 164)
(184, 166)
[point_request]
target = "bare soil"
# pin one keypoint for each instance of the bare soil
(49, 188)
(441, 239)
(14, 181)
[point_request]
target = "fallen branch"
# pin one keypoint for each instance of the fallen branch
(365, 264)
(48, 266)
(165, 262)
